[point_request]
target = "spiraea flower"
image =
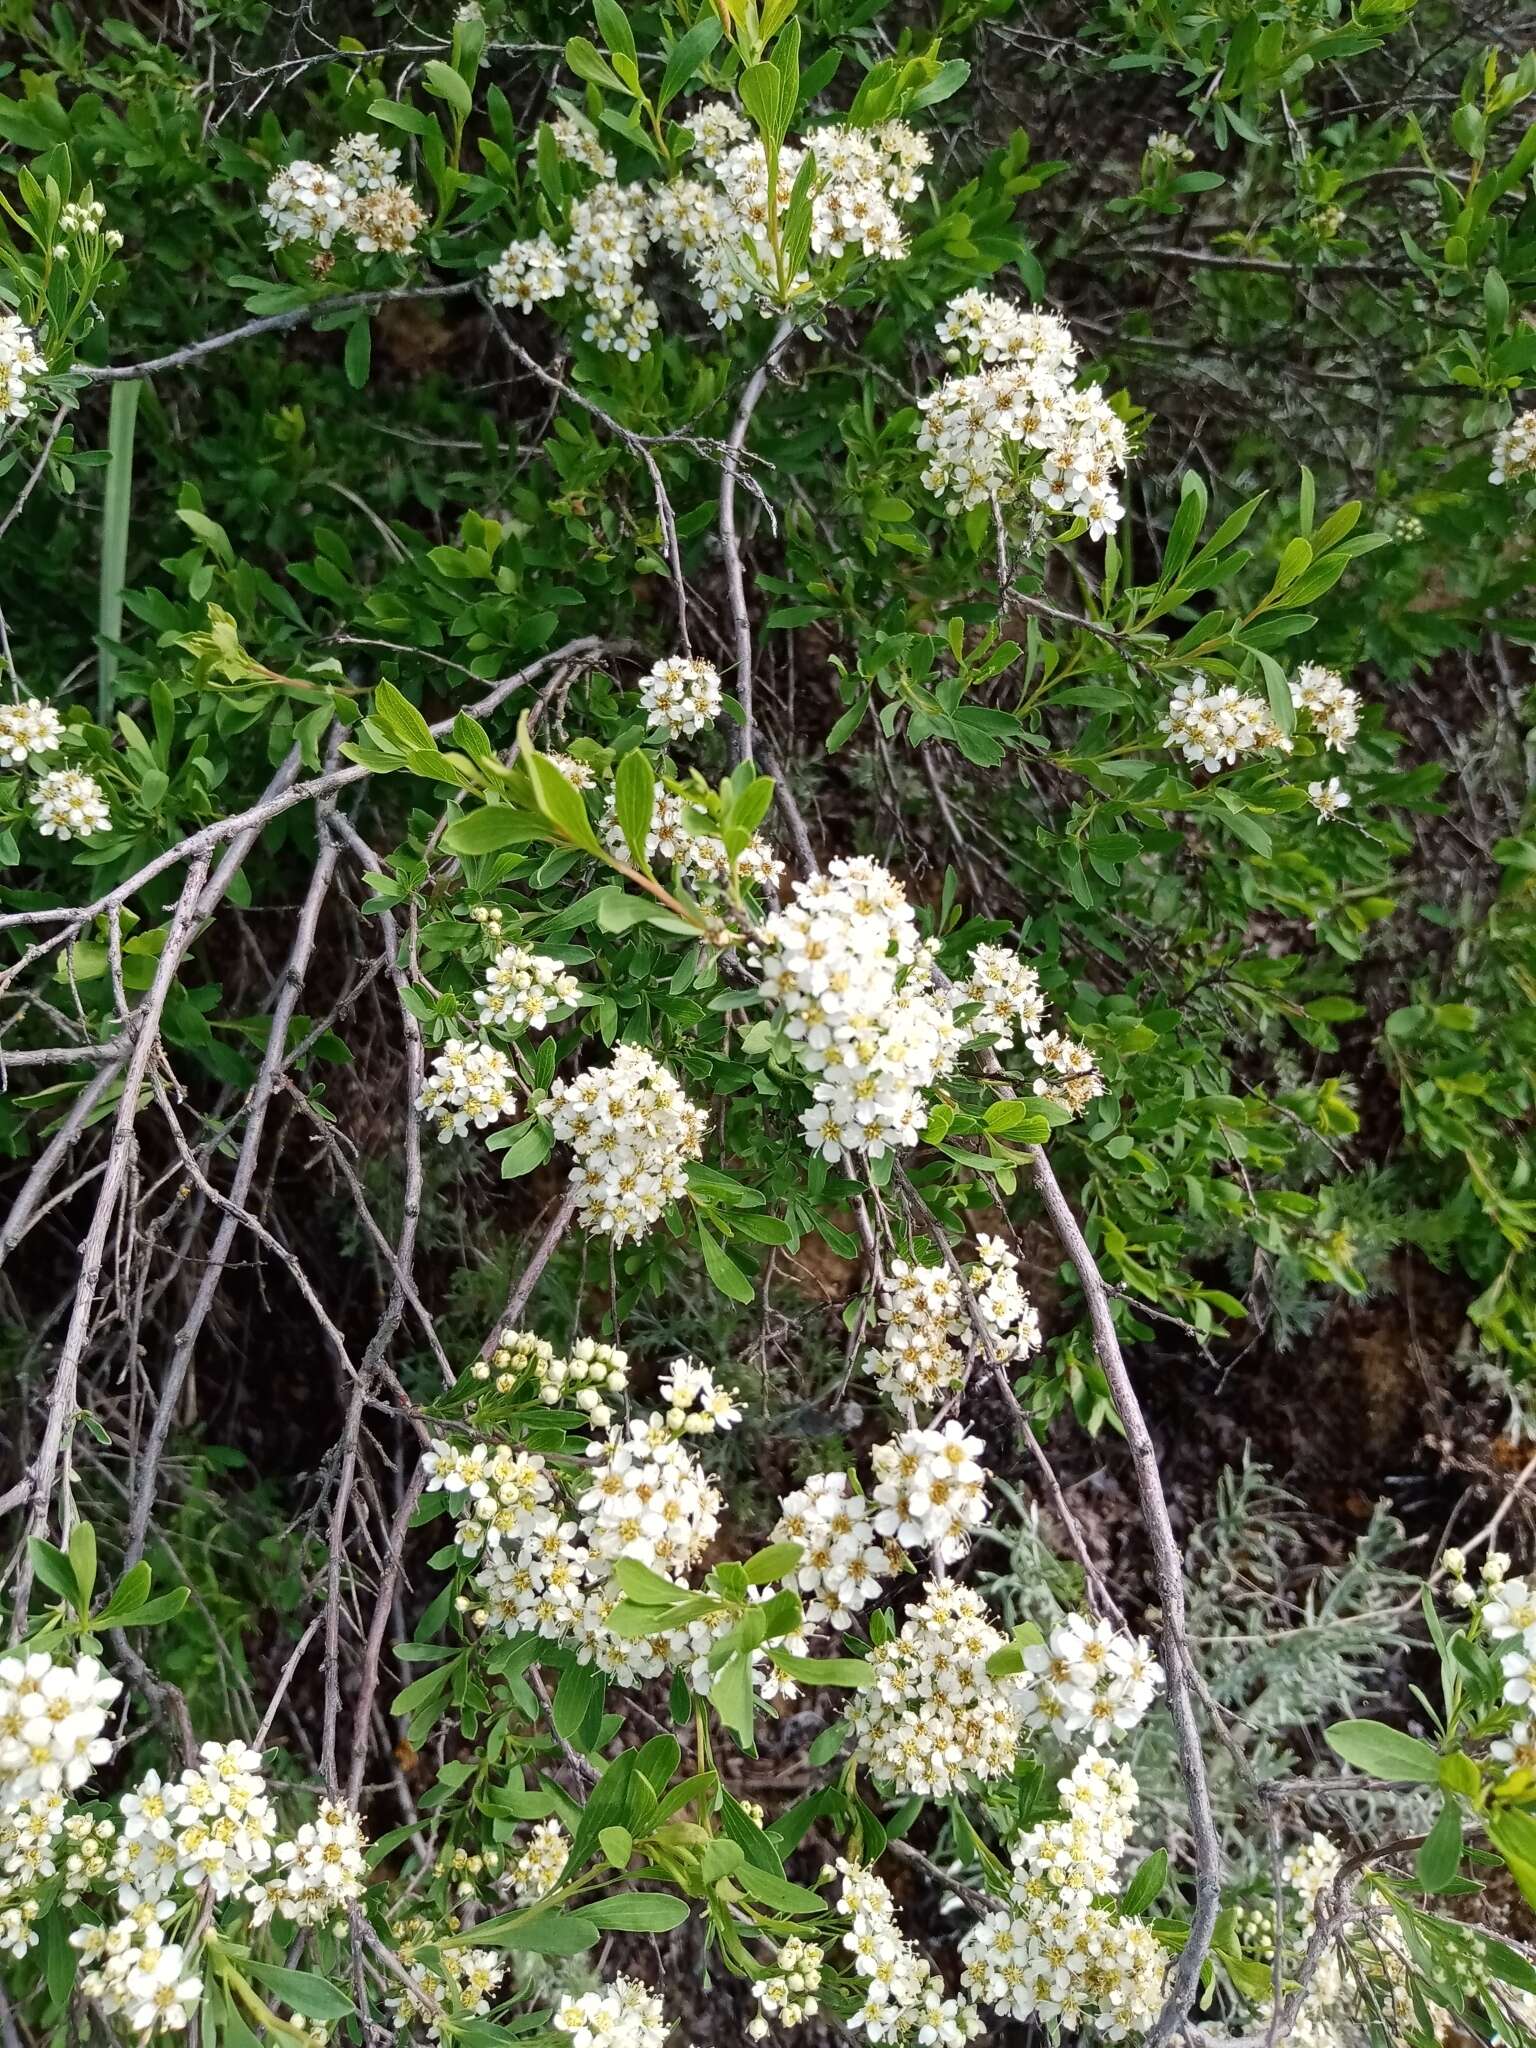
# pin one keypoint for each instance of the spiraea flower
(1310, 1868)
(1328, 798)
(1169, 149)
(696, 1405)
(633, 1132)
(528, 274)
(577, 141)
(1069, 1074)
(1012, 1324)
(1514, 450)
(213, 1827)
(537, 1870)
(498, 1494)
(1052, 1954)
(522, 988)
(1214, 729)
(931, 1489)
(625, 2015)
(788, 1993)
(304, 203)
(919, 1360)
(904, 1994)
(1021, 396)
(1009, 994)
(21, 366)
(1332, 706)
(53, 1715)
(458, 1984)
(648, 1499)
(1089, 1677)
(699, 858)
(388, 221)
(321, 1871)
(68, 804)
(593, 1371)
(27, 729)
(470, 1083)
(843, 1561)
(357, 194)
(934, 1715)
(681, 695)
(855, 992)
(133, 1973)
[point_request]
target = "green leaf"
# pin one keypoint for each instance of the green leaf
(722, 1268)
(491, 829)
(587, 62)
(1385, 1752)
(131, 1592)
(1146, 1882)
(637, 1913)
(1439, 1854)
(613, 26)
(550, 1933)
(558, 800)
(444, 83)
(731, 1697)
(617, 1845)
(358, 353)
(776, 1561)
(54, 1569)
(634, 803)
(844, 1671)
(685, 57)
(315, 1998)
(82, 1558)
(777, 1892)
(636, 1581)
(759, 90)
(578, 1703)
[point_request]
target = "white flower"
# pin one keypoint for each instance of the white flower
(934, 1715)
(364, 163)
(1089, 1676)
(1519, 1668)
(28, 728)
(905, 1997)
(633, 1132)
(1310, 1869)
(522, 988)
(526, 274)
(696, 1405)
(304, 203)
(1333, 707)
(1070, 1076)
(931, 1489)
(647, 1499)
(843, 1562)
(537, 1870)
(470, 1083)
(322, 1871)
(681, 695)
(21, 366)
(577, 141)
(788, 1994)
(52, 1715)
(1514, 450)
(1213, 729)
(1328, 798)
(67, 804)
(1008, 992)
(1511, 1611)
(698, 856)
(626, 2015)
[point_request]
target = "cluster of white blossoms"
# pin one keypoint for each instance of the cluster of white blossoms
(1332, 706)
(523, 988)
(854, 988)
(647, 1498)
(1008, 991)
(1215, 728)
(470, 1083)
(927, 1333)
(456, 1985)
(725, 227)
(633, 1132)
(625, 2015)
(28, 729)
(52, 1721)
(21, 366)
(696, 1404)
(578, 142)
(321, 1871)
(1514, 450)
(930, 1489)
(498, 1495)
(357, 195)
(1068, 1072)
(1309, 1869)
(681, 695)
(844, 1562)
(583, 1380)
(904, 1995)
(133, 1973)
(1020, 394)
(935, 1716)
(213, 1826)
(699, 858)
(68, 804)
(1053, 1955)
(537, 1870)
(1089, 1676)
(788, 1994)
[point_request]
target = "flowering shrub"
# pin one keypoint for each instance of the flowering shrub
(695, 955)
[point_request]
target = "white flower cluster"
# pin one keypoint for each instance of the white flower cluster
(646, 1498)
(1514, 450)
(930, 1489)
(21, 365)
(523, 988)
(789, 1994)
(681, 695)
(1020, 395)
(498, 1495)
(1508, 1614)
(322, 1871)
(577, 141)
(626, 2015)
(699, 857)
(67, 804)
(1090, 1676)
(935, 1716)
(904, 1995)
(633, 1132)
(213, 1826)
(726, 229)
(1214, 729)
(470, 1083)
(1309, 1869)
(537, 1870)
(1069, 1075)
(1332, 706)
(1009, 994)
(592, 1370)
(28, 728)
(928, 1334)
(133, 1973)
(1051, 1954)
(1167, 148)
(696, 1404)
(52, 1717)
(843, 1562)
(855, 991)
(357, 195)
(459, 1982)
